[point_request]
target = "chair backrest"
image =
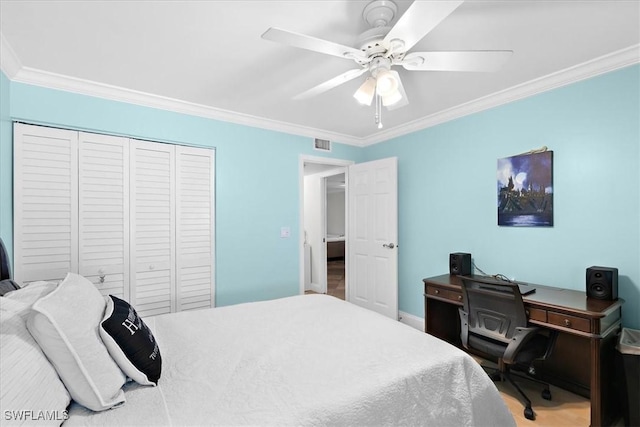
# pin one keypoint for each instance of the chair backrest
(494, 308)
(5, 267)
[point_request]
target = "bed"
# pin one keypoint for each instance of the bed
(301, 360)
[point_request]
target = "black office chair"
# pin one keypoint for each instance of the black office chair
(494, 322)
(6, 279)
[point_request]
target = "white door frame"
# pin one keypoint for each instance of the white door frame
(322, 161)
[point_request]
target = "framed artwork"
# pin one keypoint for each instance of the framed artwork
(525, 190)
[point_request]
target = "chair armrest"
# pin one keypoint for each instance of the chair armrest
(520, 338)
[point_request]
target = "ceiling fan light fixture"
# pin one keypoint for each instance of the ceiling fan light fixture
(391, 99)
(364, 94)
(386, 83)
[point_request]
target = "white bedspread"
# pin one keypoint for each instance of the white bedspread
(304, 360)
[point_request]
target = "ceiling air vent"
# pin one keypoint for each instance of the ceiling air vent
(322, 144)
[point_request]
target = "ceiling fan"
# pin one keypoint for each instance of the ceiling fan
(382, 47)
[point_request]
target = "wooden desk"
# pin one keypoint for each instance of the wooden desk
(582, 360)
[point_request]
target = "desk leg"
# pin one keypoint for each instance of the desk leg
(595, 386)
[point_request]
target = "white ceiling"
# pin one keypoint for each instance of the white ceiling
(207, 57)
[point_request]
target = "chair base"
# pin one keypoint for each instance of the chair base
(503, 372)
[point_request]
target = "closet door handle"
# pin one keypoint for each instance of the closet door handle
(389, 245)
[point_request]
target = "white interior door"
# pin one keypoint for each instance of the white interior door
(194, 228)
(103, 201)
(45, 203)
(152, 227)
(372, 246)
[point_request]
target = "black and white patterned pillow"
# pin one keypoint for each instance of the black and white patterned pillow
(130, 342)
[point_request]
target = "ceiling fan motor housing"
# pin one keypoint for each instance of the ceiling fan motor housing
(378, 14)
(370, 39)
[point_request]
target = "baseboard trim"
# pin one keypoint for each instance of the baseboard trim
(411, 320)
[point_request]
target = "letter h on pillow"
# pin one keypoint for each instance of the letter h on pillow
(130, 342)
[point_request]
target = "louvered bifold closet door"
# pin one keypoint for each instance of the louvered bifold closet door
(152, 227)
(194, 227)
(45, 198)
(104, 212)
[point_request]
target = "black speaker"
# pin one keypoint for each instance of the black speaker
(460, 264)
(602, 283)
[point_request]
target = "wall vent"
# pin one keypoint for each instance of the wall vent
(322, 144)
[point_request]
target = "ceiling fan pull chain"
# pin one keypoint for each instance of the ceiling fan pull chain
(378, 110)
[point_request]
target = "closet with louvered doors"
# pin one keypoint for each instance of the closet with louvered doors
(135, 217)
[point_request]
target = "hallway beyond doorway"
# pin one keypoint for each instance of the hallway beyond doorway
(335, 279)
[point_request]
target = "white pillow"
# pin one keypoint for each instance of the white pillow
(29, 385)
(65, 324)
(27, 295)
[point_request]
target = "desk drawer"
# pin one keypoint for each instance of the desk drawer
(537, 314)
(445, 293)
(573, 322)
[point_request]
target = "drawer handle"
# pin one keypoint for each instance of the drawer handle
(437, 291)
(527, 313)
(459, 297)
(567, 322)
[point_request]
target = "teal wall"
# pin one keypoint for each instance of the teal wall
(447, 186)
(447, 190)
(257, 186)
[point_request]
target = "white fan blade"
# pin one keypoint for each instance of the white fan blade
(404, 101)
(418, 20)
(311, 43)
(477, 60)
(330, 84)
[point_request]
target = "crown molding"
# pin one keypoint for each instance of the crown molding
(15, 71)
(50, 80)
(601, 65)
(9, 62)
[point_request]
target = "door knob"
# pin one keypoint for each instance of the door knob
(390, 245)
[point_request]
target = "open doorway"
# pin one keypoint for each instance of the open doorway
(335, 219)
(323, 230)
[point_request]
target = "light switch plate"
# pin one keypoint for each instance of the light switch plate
(285, 232)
